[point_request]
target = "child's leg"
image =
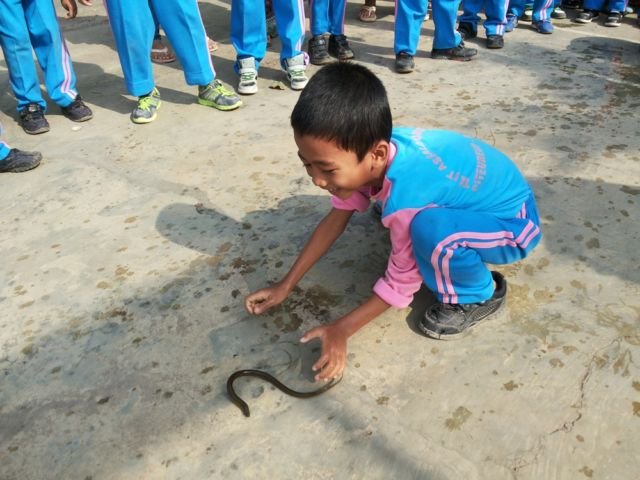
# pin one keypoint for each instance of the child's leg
(248, 30)
(542, 10)
(336, 16)
(409, 17)
(470, 11)
(16, 46)
(4, 147)
(290, 23)
(51, 51)
(319, 17)
(496, 13)
(444, 18)
(516, 7)
(595, 5)
(182, 24)
(132, 25)
(452, 246)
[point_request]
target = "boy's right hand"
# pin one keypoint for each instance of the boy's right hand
(262, 300)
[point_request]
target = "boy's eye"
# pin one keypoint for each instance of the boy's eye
(329, 171)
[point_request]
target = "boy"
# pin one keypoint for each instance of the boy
(133, 28)
(249, 38)
(28, 26)
(541, 16)
(451, 203)
(14, 160)
(447, 43)
(327, 16)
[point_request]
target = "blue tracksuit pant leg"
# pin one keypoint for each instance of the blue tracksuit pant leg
(444, 14)
(516, 7)
(496, 13)
(451, 248)
(470, 10)
(32, 24)
(133, 29)
(4, 147)
(542, 10)
(182, 24)
(599, 5)
(327, 16)
(248, 28)
(409, 17)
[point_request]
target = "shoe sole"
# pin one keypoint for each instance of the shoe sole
(81, 119)
(611, 24)
(455, 59)
(466, 331)
(22, 169)
(404, 71)
(248, 91)
(143, 121)
(37, 132)
(579, 20)
(224, 108)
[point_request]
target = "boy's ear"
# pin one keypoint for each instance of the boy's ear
(379, 154)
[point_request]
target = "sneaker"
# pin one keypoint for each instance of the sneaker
(404, 62)
(466, 30)
(32, 119)
(19, 161)
(587, 16)
(558, 13)
(614, 19)
(495, 41)
(527, 15)
(318, 53)
(460, 53)
(512, 22)
(248, 83)
(339, 47)
(444, 321)
(77, 111)
(218, 96)
(296, 67)
(543, 26)
(147, 108)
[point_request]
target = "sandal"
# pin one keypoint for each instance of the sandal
(160, 53)
(212, 44)
(367, 14)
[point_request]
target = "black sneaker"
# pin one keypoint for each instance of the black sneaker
(339, 47)
(614, 19)
(19, 161)
(495, 41)
(444, 321)
(318, 53)
(587, 16)
(32, 119)
(466, 30)
(404, 63)
(460, 53)
(77, 111)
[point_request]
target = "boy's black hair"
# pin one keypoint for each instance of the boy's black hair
(346, 103)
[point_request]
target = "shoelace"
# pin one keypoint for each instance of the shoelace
(216, 89)
(248, 76)
(147, 103)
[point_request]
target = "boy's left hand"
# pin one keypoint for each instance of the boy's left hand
(333, 360)
(72, 8)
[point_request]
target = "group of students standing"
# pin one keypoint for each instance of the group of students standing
(31, 25)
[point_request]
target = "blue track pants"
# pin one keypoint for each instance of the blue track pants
(27, 26)
(495, 11)
(599, 5)
(133, 29)
(249, 28)
(409, 17)
(541, 9)
(4, 147)
(452, 246)
(327, 16)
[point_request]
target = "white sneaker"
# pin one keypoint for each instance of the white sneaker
(296, 67)
(248, 84)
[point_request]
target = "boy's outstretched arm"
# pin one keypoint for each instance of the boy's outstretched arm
(325, 234)
(334, 337)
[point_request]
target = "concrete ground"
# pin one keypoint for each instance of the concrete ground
(126, 256)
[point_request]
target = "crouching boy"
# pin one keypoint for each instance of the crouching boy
(451, 203)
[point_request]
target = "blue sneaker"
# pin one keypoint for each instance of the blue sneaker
(512, 22)
(543, 26)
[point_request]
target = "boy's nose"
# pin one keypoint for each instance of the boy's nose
(319, 182)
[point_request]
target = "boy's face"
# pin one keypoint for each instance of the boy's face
(336, 170)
